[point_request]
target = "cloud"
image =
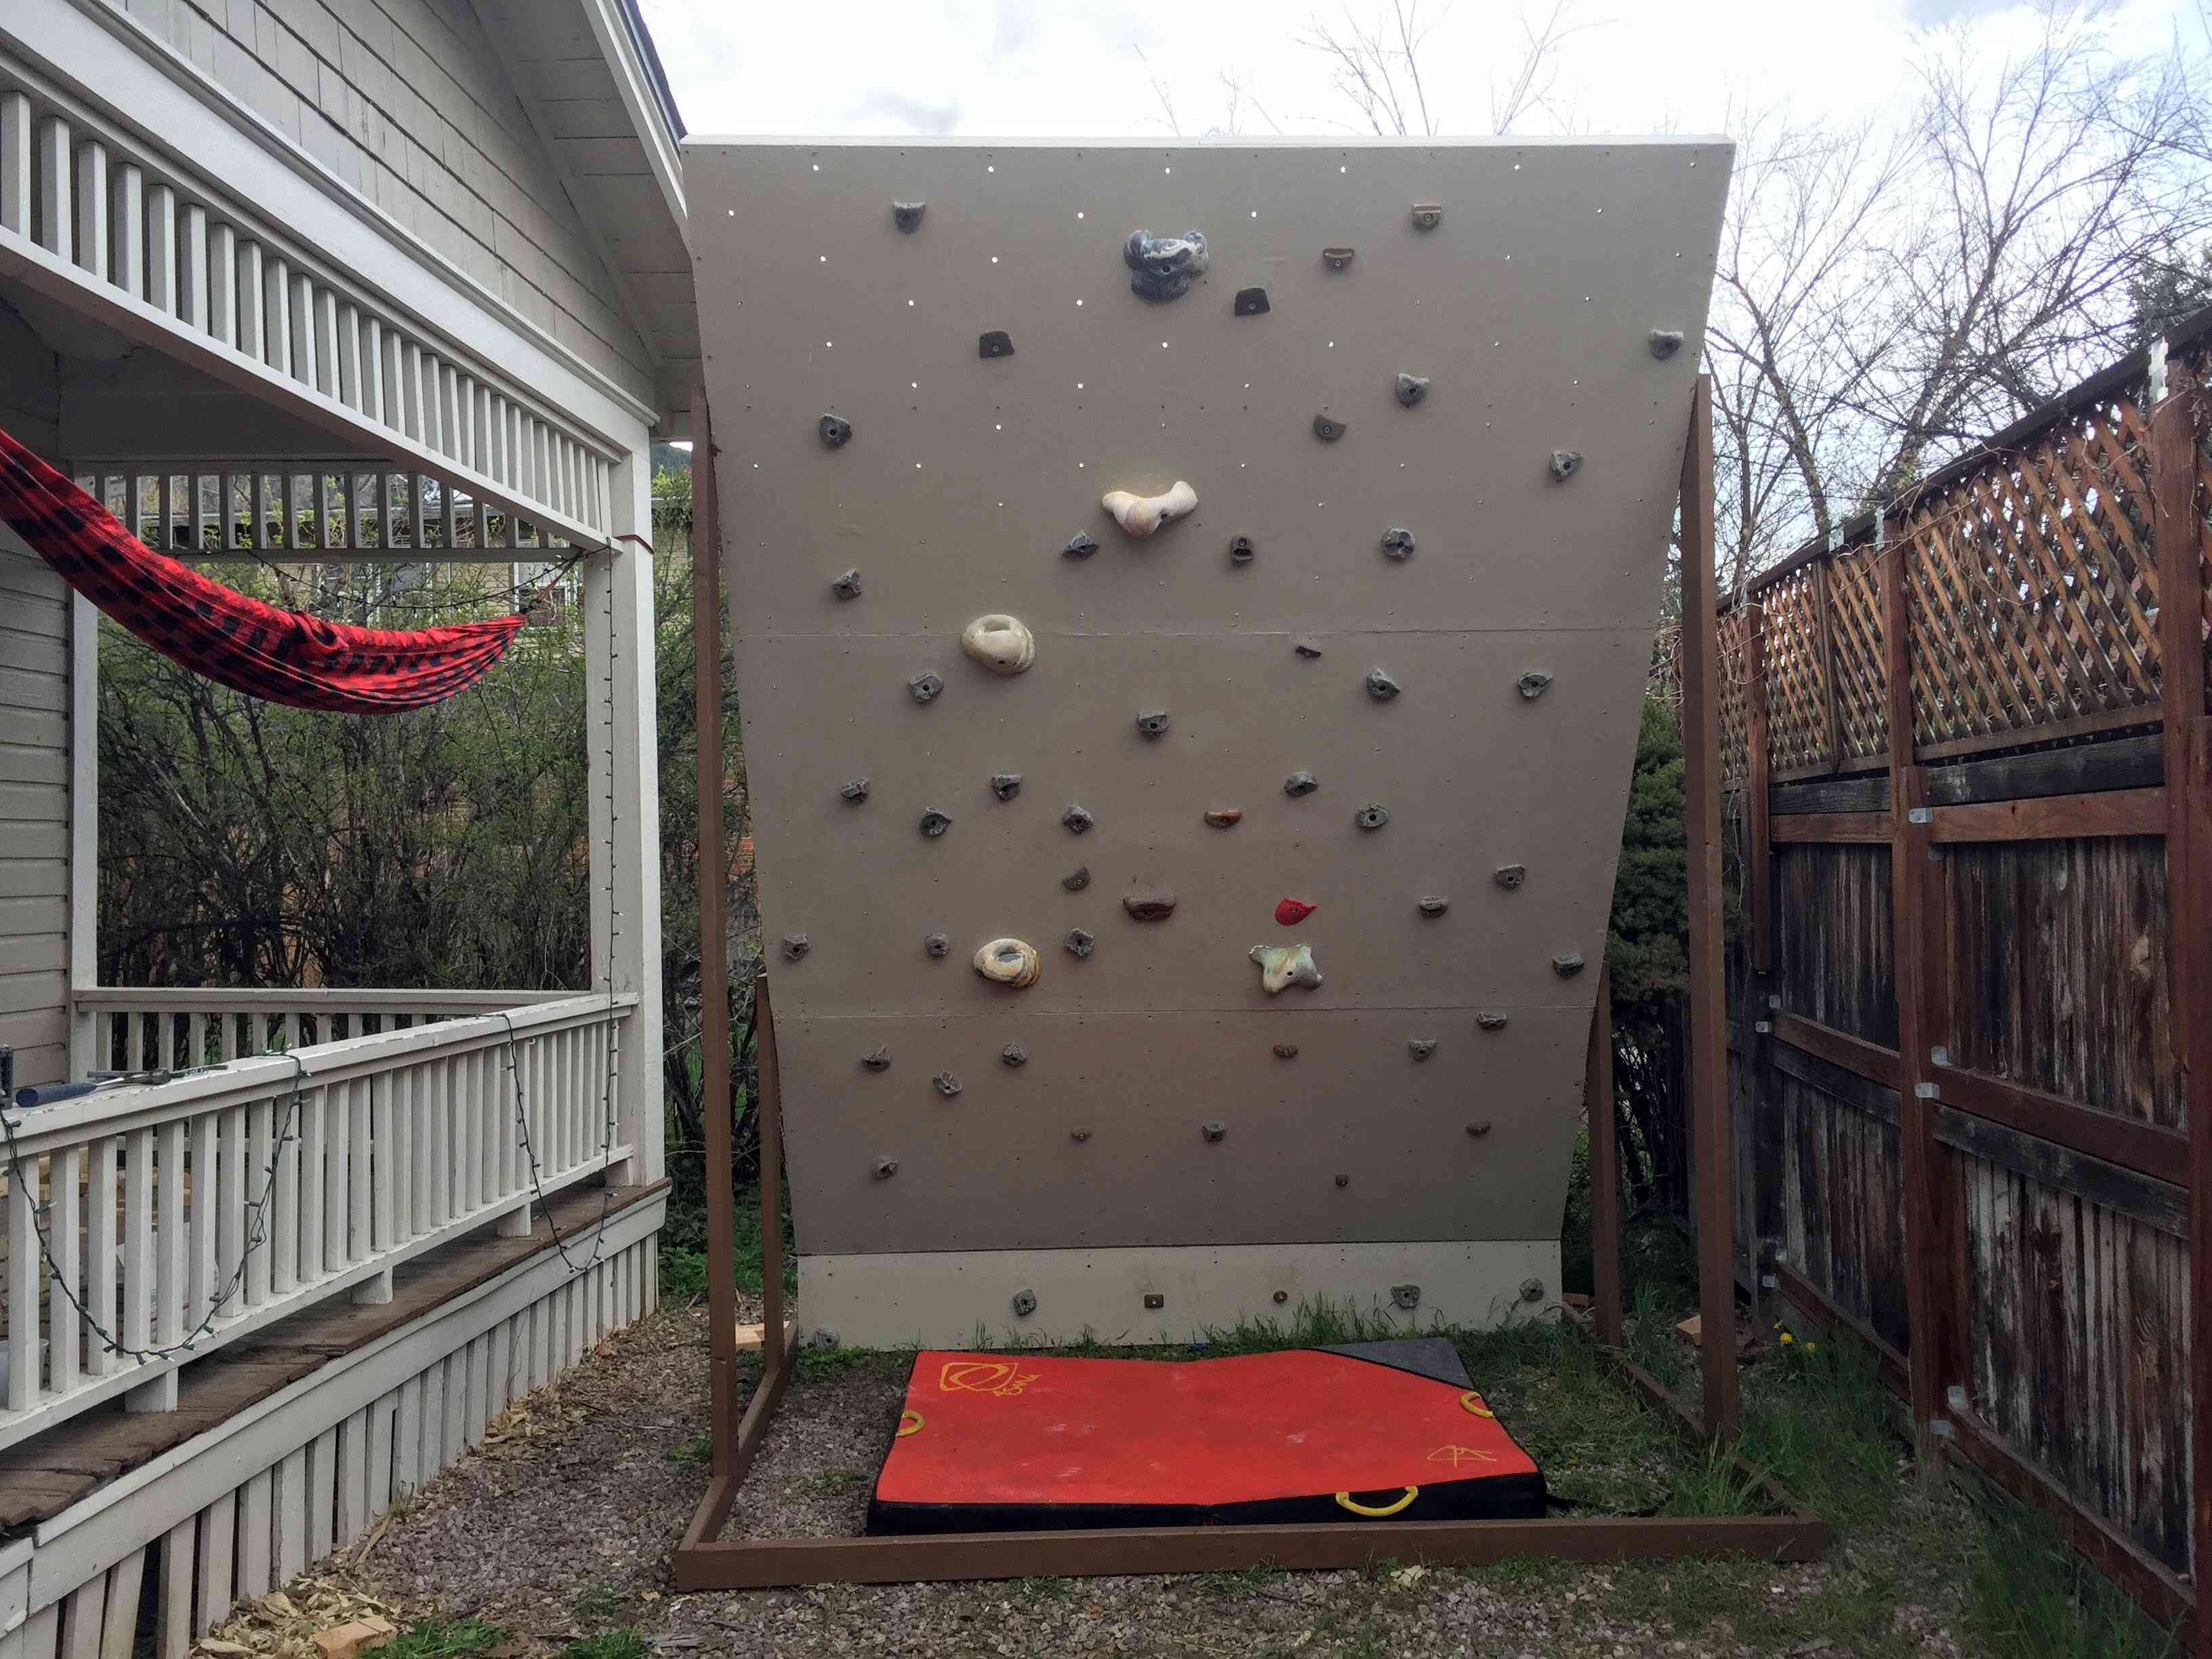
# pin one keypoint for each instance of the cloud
(909, 114)
(1929, 14)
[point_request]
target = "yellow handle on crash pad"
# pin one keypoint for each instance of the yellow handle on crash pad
(1375, 1512)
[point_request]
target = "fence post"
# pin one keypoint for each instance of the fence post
(1604, 1167)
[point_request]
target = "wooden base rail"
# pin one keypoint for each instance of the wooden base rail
(2048, 817)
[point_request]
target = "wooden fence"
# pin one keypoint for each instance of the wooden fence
(1969, 736)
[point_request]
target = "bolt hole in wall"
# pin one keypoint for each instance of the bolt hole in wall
(1289, 533)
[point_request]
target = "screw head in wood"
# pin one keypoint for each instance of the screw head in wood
(1281, 1297)
(1336, 259)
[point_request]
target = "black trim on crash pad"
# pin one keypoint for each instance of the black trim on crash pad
(1431, 1356)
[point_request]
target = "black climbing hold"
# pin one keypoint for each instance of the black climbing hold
(878, 1059)
(1421, 1047)
(1152, 904)
(1433, 906)
(1412, 388)
(1079, 941)
(1006, 785)
(1509, 875)
(1306, 648)
(1287, 1051)
(924, 687)
(1251, 302)
(1407, 1297)
(1281, 1297)
(856, 790)
(1327, 430)
(1163, 268)
(1479, 1129)
(1532, 1289)
(1568, 966)
(886, 1168)
(1565, 463)
(907, 216)
(1344, 1181)
(937, 945)
(1491, 1019)
(1381, 686)
(1025, 1302)
(1336, 258)
(1213, 1129)
(934, 823)
(995, 343)
(796, 945)
(834, 429)
(1155, 1300)
(1081, 545)
(1240, 550)
(1665, 342)
(1373, 816)
(1077, 819)
(1531, 684)
(1300, 783)
(1078, 1134)
(947, 1083)
(1076, 879)
(1427, 216)
(848, 586)
(1397, 543)
(1014, 1054)
(1154, 724)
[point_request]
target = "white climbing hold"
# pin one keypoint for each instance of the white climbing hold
(1001, 643)
(1284, 965)
(1140, 515)
(1009, 962)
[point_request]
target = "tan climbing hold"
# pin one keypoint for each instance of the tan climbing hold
(1009, 962)
(1282, 966)
(999, 642)
(1140, 515)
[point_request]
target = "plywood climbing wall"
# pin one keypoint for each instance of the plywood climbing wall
(1175, 1146)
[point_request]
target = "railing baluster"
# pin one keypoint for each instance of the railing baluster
(311, 366)
(277, 324)
(138, 1266)
(395, 1157)
(232, 1189)
(91, 249)
(339, 1109)
(16, 163)
(56, 212)
(161, 248)
(262, 1176)
(313, 1111)
(345, 324)
(172, 1235)
(102, 1259)
(64, 1219)
(126, 224)
(386, 399)
(192, 267)
(23, 1263)
(361, 1180)
(208, 1210)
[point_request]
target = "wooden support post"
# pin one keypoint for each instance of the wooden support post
(1604, 1169)
(2177, 531)
(1709, 1098)
(716, 1058)
(1758, 1047)
(773, 1334)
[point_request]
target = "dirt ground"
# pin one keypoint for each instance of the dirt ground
(560, 1527)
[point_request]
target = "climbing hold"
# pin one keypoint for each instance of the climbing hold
(1076, 879)
(1155, 1300)
(1284, 965)
(937, 945)
(1014, 1054)
(1344, 1181)
(1077, 819)
(1532, 1289)
(1150, 904)
(947, 1083)
(1373, 816)
(1153, 724)
(1287, 1051)
(1397, 543)
(999, 642)
(1427, 216)
(1407, 1297)
(1078, 1134)
(907, 215)
(1163, 268)
(1025, 1304)
(1225, 818)
(1080, 546)
(878, 1059)
(1531, 684)
(1665, 342)
(1479, 1129)
(1281, 1297)
(856, 790)
(848, 586)
(1250, 302)
(922, 688)
(935, 823)
(1006, 785)
(995, 343)
(1079, 942)
(1214, 1129)
(1434, 905)
(886, 1168)
(1290, 912)
(1421, 1047)
(1567, 966)
(1300, 783)
(1240, 550)
(1306, 648)
(1337, 258)
(1140, 515)
(1565, 463)
(1509, 875)
(1381, 686)
(833, 430)
(796, 945)
(1009, 962)
(1412, 388)
(1327, 430)
(1492, 1019)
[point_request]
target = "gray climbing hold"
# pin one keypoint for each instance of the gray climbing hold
(995, 343)
(1531, 684)
(934, 823)
(1078, 1134)
(937, 945)
(1337, 258)
(1479, 1129)
(796, 945)
(1491, 1019)
(1081, 941)
(1509, 875)
(1427, 216)
(1077, 820)
(1381, 686)
(1287, 1051)
(1025, 1304)
(1328, 431)
(1532, 1289)
(1076, 879)
(923, 687)
(1300, 783)
(833, 430)
(1081, 545)
(1421, 1047)
(886, 1168)
(1434, 906)
(1412, 388)
(1014, 1054)
(1225, 817)
(1407, 1297)
(1565, 463)
(878, 1059)
(1306, 648)
(1154, 723)
(847, 585)
(1150, 904)
(823, 1336)
(1281, 1297)
(1373, 816)
(856, 790)
(1163, 268)
(1665, 342)
(1397, 543)
(907, 216)
(1344, 1181)
(1006, 785)
(1240, 550)
(1251, 302)
(1214, 1129)
(1567, 966)
(945, 1084)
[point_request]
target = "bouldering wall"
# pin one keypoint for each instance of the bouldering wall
(1029, 790)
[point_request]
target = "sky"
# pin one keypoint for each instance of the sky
(995, 68)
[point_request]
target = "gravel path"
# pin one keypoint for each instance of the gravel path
(561, 1525)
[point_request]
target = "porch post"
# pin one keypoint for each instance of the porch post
(86, 1051)
(625, 785)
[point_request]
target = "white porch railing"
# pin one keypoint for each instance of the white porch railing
(147, 1227)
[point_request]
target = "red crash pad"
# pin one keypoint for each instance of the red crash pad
(999, 1441)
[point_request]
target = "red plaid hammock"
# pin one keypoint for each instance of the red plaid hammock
(282, 656)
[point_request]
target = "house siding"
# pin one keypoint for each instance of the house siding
(405, 101)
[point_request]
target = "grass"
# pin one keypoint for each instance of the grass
(444, 1638)
(595, 1601)
(2028, 1595)
(622, 1644)
(699, 1449)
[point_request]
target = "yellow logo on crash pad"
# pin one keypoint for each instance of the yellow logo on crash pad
(1000, 1376)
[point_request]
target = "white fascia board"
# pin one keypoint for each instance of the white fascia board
(644, 110)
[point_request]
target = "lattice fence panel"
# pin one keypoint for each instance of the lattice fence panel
(1798, 727)
(1861, 671)
(2194, 373)
(1735, 759)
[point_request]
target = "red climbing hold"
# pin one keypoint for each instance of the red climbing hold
(1291, 912)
